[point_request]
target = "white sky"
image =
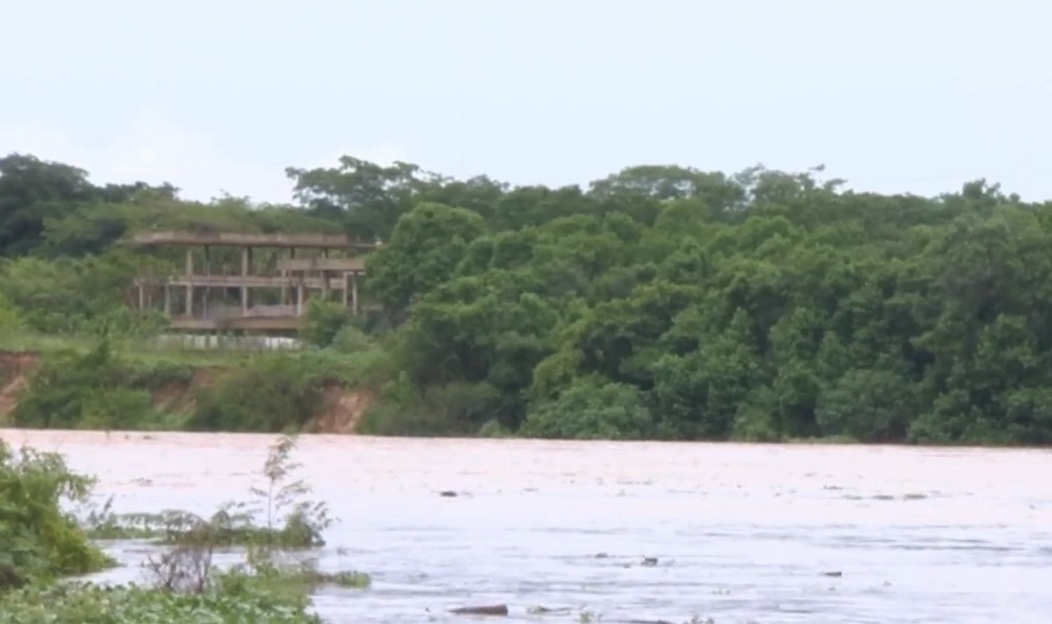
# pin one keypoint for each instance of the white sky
(894, 95)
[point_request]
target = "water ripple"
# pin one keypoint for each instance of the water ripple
(769, 534)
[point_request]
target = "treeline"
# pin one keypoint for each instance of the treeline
(660, 302)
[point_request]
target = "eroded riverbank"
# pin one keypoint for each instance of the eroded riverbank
(741, 533)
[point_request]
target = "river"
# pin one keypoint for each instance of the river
(741, 533)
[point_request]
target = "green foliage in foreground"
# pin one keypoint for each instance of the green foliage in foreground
(38, 540)
(233, 599)
(39, 543)
(660, 302)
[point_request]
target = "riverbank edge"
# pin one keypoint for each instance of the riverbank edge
(340, 411)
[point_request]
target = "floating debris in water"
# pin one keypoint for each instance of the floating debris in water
(496, 610)
(548, 611)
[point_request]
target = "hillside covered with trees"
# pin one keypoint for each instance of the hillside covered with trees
(660, 302)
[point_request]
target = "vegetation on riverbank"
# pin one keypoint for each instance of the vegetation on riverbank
(660, 302)
(41, 542)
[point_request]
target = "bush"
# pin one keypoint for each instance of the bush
(234, 598)
(10, 319)
(271, 394)
(591, 409)
(350, 339)
(38, 540)
(456, 409)
(94, 390)
(324, 320)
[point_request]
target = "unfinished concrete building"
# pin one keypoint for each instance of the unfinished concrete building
(250, 283)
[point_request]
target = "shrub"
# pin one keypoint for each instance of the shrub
(455, 409)
(234, 598)
(97, 389)
(350, 339)
(38, 540)
(591, 409)
(271, 394)
(324, 320)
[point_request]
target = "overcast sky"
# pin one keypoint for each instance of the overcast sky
(222, 95)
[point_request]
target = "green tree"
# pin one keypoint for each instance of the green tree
(591, 409)
(425, 248)
(31, 191)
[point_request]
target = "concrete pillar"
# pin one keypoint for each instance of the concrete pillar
(246, 263)
(142, 297)
(289, 255)
(189, 282)
(207, 289)
(167, 300)
(299, 298)
(345, 288)
(354, 293)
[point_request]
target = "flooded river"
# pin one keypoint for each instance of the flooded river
(741, 533)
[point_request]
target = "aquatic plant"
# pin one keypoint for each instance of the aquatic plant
(290, 519)
(284, 499)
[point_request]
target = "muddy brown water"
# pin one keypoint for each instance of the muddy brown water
(741, 533)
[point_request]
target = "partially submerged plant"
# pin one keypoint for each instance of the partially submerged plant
(292, 523)
(291, 520)
(283, 499)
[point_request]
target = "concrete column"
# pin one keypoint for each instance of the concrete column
(142, 297)
(207, 289)
(246, 263)
(289, 255)
(189, 277)
(345, 289)
(167, 300)
(299, 298)
(354, 293)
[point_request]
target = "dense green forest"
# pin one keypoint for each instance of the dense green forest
(660, 302)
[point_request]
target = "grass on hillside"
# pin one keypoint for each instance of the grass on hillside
(147, 350)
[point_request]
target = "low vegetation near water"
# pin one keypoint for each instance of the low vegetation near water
(41, 542)
(109, 385)
(659, 302)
